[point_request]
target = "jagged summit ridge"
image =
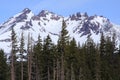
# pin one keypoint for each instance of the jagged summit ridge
(79, 26)
(27, 10)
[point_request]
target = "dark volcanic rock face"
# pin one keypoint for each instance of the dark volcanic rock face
(42, 13)
(96, 24)
(53, 17)
(35, 18)
(87, 26)
(78, 16)
(27, 25)
(23, 16)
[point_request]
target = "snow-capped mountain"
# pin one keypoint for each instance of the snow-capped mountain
(79, 26)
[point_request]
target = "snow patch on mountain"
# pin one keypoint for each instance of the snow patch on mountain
(79, 26)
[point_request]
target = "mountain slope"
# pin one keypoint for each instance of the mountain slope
(79, 25)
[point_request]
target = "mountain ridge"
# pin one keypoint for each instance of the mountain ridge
(79, 26)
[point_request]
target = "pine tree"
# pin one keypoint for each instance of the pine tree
(38, 50)
(18, 70)
(102, 50)
(3, 66)
(48, 56)
(97, 64)
(29, 57)
(92, 59)
(107, 49)
(102, 45)
(55, 58)
(22, 51)
(108, 56)
(13, 53)
(58, 61)
(117, 65)
(70, 57)
(62, 42)
(110, 49)
(81, 58)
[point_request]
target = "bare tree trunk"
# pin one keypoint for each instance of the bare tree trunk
(37, 73)
(97, 73)
(57, 72)
(67, 74)
(29, 57)
(62, 67)
(72, 72)
(81, 74)
(54, 74)
(22, 69)
(13, 52)
(12, 67)
(29, 66)
(48, 73)
(54, 70)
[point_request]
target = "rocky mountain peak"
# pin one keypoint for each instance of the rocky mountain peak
(86, 25)
(43, 13)
(49, 15)
(26, 10)
(24, 15)
(78, 16)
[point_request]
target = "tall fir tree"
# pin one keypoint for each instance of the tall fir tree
(48, 57)
(102, 45)
(102, 50)
(110, 49)
(29, 57)
(22, 51)
(38, 50)
(92, 59)
(81, 58)
(13, 53)
(70, 57)
(62, 42)
(3, 66)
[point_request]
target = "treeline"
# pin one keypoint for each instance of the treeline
(66, 60)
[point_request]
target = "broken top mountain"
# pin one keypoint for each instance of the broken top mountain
(79, 26)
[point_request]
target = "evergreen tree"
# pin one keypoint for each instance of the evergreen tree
(70, 57)
(102, 45)
(81, 58)
(103, 56)
(22, 51)
(92, 60)
(18, 70)
(62, 42)
(38, 50)
(48, 57)
(58, 61)
(116, 65)
(107, 49)
(55, 59)
(29, 57)
(13, 53)
(110, 49)
(3, 66)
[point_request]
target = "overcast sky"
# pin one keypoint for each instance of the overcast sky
(107, 8)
